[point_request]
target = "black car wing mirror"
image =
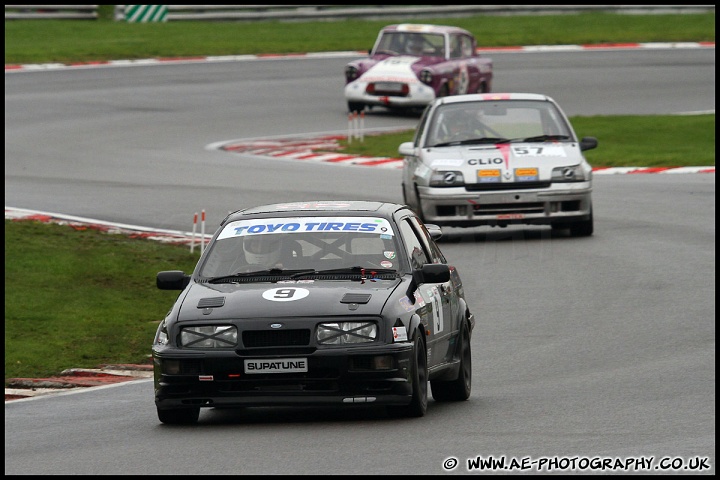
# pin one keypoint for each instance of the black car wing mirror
(432, 273)
(588, 143)
(429, 273)
(172, 280)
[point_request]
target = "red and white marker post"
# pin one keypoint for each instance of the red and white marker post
(202, 233)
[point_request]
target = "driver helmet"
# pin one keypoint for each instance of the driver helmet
(262, 250)
(458, 122)
(415, 46)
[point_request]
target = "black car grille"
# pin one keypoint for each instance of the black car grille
(276, 338)
(481, 187)
(501, 209)
(280, 386)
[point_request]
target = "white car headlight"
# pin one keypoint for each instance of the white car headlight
(209, 336)
(340, 333)
(574, 173)
(448, 178)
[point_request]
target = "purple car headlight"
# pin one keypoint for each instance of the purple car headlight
(351, 73)
(426, 76)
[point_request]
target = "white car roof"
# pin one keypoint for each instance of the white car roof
(482, 97)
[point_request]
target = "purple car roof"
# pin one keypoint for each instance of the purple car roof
(424, 28)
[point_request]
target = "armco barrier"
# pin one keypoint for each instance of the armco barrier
(331, 12)
(377, 12)
(51, 12)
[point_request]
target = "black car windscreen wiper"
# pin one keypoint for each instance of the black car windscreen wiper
(474, 141)
(542, 138)
(367, 271)
(257, 273)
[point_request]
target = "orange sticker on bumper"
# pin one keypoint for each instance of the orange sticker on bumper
(488, 175)
(526, 174)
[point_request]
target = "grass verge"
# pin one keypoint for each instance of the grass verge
(81, 298)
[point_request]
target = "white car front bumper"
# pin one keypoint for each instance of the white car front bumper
(456, 206)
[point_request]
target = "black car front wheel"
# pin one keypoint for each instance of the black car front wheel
(458, 389)
(179, 416)
(583, 228)
(419, 378)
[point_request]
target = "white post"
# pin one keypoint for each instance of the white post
(355, 125)
(192, 243)
(350, 133)
(362, 127)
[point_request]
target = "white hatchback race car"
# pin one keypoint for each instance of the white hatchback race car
(499, 159)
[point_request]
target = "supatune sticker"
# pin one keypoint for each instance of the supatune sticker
(285, 365)
(285, 294)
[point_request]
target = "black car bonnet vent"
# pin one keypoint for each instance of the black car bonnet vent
(211, 302)
(356, 298)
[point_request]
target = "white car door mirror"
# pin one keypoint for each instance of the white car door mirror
(407, 149)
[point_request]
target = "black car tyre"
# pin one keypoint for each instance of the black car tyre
(419, 209)
(458, 389)
(582, 229)
(418, 405)
(356, 107)
(482, 88)
(179, 416)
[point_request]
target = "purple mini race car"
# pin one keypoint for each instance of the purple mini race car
(411, 65)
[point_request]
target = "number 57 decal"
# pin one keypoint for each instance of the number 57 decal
(545, 151)
(527, 150)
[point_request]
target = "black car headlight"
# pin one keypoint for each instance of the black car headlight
(351, 73)
(574, 173)
(209, 336)
(426, 76)
(161, 337)
(441, 178)
(341, 333)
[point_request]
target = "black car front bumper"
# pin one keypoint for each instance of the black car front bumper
(335, 376)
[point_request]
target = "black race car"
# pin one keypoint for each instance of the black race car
(315, 303)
